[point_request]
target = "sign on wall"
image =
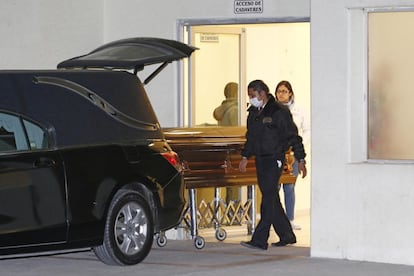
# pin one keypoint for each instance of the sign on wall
(248, 6)
(209, 38)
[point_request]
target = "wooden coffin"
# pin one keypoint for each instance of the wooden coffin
(211, 156)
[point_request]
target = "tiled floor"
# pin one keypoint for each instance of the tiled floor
(236, 234)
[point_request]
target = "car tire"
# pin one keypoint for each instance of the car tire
(129, 230)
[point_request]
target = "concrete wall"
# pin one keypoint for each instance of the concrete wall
(360, 210)
(41, 33)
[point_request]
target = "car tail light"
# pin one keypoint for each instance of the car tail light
(173, 159)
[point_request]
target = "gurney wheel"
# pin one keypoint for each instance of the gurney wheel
(199, 242)
(161, 240)
(221, 234)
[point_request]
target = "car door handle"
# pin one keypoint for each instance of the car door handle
(44, 162)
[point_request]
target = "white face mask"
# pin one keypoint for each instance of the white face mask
(256, 103)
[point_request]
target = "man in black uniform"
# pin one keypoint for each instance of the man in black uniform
(270, 132)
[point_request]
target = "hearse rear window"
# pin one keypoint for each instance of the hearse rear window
(18, 134)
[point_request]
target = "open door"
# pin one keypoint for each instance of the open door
(219, 61)
(269, 51)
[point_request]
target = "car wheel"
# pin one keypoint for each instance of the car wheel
(129, 230)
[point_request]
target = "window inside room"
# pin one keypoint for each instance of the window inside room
(390, 85)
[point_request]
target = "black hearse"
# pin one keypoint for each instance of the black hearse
(83, 160)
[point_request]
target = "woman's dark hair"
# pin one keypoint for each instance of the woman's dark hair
(258, 85)
(287, 85)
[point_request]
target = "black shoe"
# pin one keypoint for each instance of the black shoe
(284, 242)
(250, 244)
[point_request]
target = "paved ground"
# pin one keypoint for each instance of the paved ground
(217, 258)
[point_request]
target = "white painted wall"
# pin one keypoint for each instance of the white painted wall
(39, 34)
(360, 211)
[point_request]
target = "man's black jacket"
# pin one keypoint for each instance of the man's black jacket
(272, 131)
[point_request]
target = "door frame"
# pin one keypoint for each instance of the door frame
(182, 26)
